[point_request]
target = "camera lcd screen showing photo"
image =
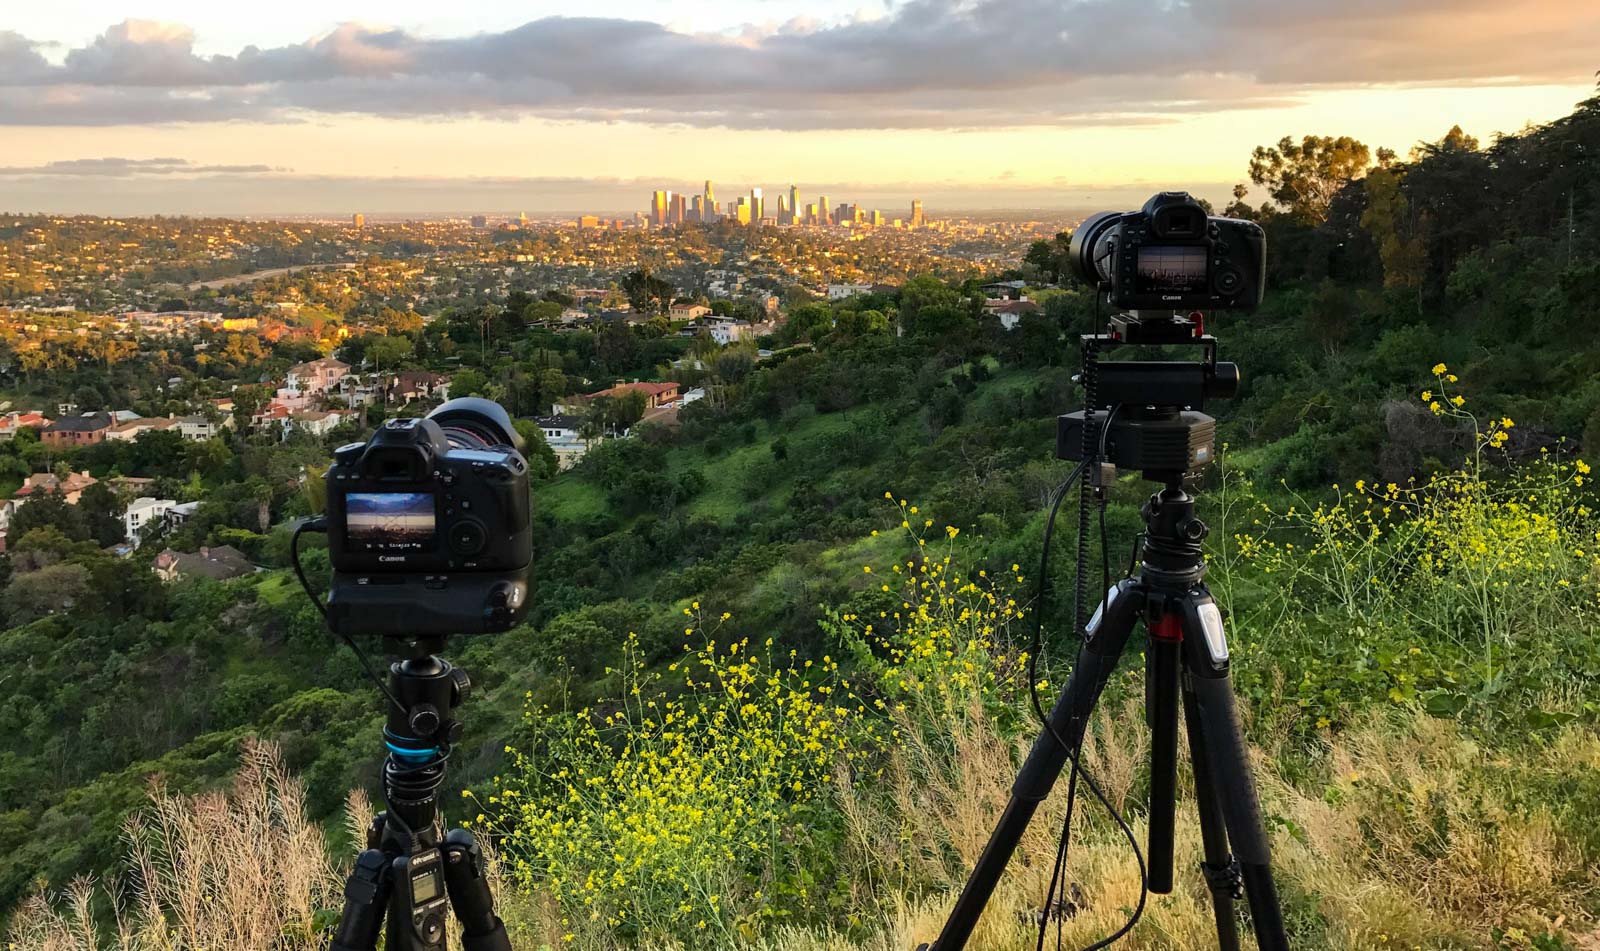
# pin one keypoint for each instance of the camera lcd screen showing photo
(1172, 270)
(390, 521)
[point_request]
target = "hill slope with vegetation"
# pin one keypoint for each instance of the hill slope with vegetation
(1411, 583)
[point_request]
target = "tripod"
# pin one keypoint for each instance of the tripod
(1188, 655)
(407, 870)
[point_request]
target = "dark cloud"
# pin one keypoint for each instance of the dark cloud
(115, 167)
(925, 64)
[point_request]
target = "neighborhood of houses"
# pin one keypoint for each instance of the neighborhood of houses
(315, 397)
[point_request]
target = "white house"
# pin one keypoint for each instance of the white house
(141, 514)
(561, 432)
(199, 429)
(841, 291)
(726, 330)
(315, 422)
(317, 376)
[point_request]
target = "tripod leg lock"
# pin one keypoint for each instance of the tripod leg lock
(1224, 880)
(466, 879)
(366, 892)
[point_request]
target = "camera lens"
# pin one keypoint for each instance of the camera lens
(470, 422)
(1089, 253)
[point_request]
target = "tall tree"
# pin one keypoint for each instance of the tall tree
(1302, 177)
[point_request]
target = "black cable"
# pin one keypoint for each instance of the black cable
(319, 525)
(1040, 600)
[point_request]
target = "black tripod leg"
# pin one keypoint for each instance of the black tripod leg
(1108, 633)
(1222, 875)
(366, 894)
(1206, 656)
(1161, 708)
(465, 880)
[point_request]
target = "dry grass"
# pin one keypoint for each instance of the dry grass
(240, 869)
(1404, 834)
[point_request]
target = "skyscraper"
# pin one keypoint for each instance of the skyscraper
(877, 218)
(811, 212)
(711, 199)
(916, 213)
(659, 204)
(783, 210)
(823, 218)
(679, 210)
(794, 204)
(358, 220)
(742, 212)
(698, 212)
(756, 203)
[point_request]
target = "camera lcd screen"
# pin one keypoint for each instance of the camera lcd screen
(1172, 270)
(425, 887)
(389, 521)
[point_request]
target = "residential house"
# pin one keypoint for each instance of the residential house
(655, 394)
(358, 391)
(182, 512)
(12, 422)
(141, 514)
(199, 428)
(70, 431)
(134, 428)
(318, 376)
(410, 385)
(1005, 290)
(688, 311)
(71, 490)
(1010, 312)
(842, 291)
(315, 422)
(726, 330)
(221, 562)
(562, 433)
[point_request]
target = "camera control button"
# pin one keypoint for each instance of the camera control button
(468, 537)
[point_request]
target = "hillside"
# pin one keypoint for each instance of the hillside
(1411, 584)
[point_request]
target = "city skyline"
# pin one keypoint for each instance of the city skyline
(668, 208)
(406, 107)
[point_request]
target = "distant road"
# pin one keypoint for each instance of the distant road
(258, 275)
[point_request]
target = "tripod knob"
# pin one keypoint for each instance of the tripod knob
(462, 684)
(424, 719)
(1194, 529)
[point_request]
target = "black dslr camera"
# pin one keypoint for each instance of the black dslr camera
(429, 527)
(1170, 255)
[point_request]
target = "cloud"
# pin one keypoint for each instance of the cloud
(116, 167)
(922, 64)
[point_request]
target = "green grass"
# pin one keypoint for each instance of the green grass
(572, 498)
(276, 589)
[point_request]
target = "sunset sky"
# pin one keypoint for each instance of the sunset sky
(409, 106)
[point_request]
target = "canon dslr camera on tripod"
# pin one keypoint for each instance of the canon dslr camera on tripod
(428, 526)
(1163, 267)
(1171, 255)
(430, 534)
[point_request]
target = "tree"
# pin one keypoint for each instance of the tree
(468, 382)
(616, 347)
(646, 292)
(1394, 229)
(102, 514)
(1303, 177)
(50, 590)
(48, 510)
(389, 351)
